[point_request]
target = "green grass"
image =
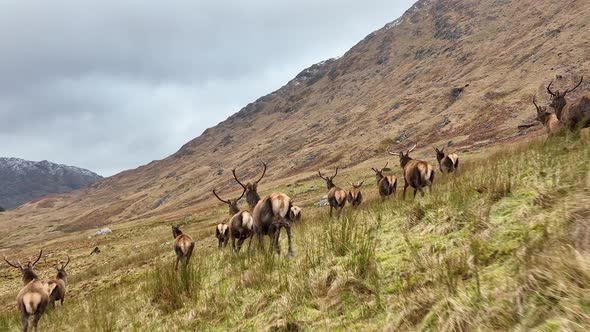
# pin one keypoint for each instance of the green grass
(503, 245)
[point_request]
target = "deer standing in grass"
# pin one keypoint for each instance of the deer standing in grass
(270, 215)
(549, 120)
(417, 173)
(387, 184)
(183, 246)
(60, 282)
(222, 231)
(571, 116)
(33, 298)
(251, 188)
(355, 197)
(336, 195)
(446, 163)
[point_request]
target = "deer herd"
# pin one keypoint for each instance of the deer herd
(267, 216)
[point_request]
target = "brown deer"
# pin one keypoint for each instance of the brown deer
(183, 246)
(446, 163)
(387, 184)
(222, 235)
(232, 203)
(296, 213)
(336, 195)
(241, 227)
(549, 120)
(417, 173)
(270, 215)
(251, 188)
(355, 197)
(33, 298)
(60, 282)
(558, 100)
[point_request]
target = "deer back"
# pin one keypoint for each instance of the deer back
(577, 115)
(387, 185)
(34, 296)
(417, 173)
(337, 195)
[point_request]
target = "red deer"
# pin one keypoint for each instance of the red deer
(33, 298)
(232, 203)
(355, 197)
(446, 163)
(241, 227)
(296, 213)
(60, 282)
(251, 188)
(417, 173)
(183, 246)
(387, 184)
(336, 195)
(571, 116)
(222, 235)
(558, 100)
(549, 120)
(270, 215)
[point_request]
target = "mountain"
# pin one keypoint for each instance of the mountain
(24, 180)
(448, 72)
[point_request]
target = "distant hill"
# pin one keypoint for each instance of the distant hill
(23, 180)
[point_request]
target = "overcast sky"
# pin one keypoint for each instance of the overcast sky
(110, 85)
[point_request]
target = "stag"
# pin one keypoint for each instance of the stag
(446, 163)
(241, 227)
(222, 235)
(386, 184)
(60, 282)
(417, 173)
(251, 188)
(355, 197)
(558, 100)
(183, 246)
(336, 195)
(232, 203)
(548, 119)
(270, 215)
(33, 298)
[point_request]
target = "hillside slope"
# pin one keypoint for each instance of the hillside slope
(22, 180)
(405, 82)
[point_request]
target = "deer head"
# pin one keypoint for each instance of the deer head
(542, 112)
(330, 179)
(26, 271)
(232, 203)
(251, 188)
(404, 158)
(176, 231)
(558, 101)
(440, 154)
(378, 173)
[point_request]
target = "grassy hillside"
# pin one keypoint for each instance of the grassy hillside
(502, 245)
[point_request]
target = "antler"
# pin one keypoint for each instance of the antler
(361, 183)
(236, 178)
(38, 258)
(336, 173)
(263, 172)
(243, 192)
(320, 174)
(393, 153)
(549, 89)
(535, 103)
(412, 148)
(19, 266)
(387, 163)
(68, 262)
(219, 198)
(570, 90)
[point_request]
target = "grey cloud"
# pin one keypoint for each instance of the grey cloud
(109, 85)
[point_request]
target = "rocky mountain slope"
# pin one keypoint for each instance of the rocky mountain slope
(22, 180)
(447, 70)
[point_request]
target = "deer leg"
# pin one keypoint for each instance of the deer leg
(250, 241)
(415, 191)
(220, 243)
(288, 229)
(24, 317)
(62, 301)
(240, 242)
(36, 318)
(405, 188)
(330, 211)
(233, 243)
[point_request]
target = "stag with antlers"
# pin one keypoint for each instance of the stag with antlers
(232, 203)
(60, 282)
(417, 173)
(251, 188)
(558, 100)
(386, 184)
(355, 197)
(34, 296)
(336, 195)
